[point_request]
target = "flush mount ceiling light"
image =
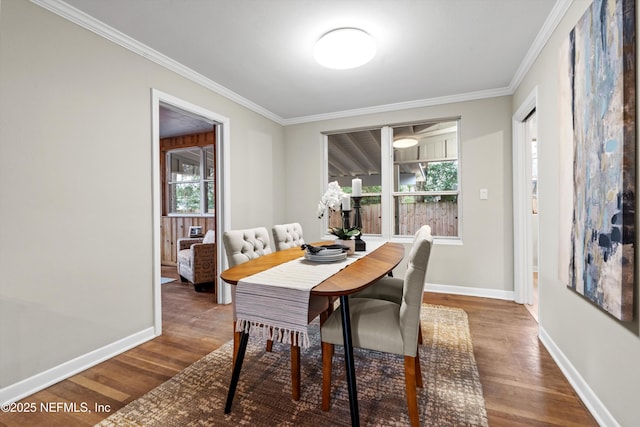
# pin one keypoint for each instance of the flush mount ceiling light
(344, 48)
(405, 142)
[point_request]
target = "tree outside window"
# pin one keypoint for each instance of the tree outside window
(425, 176)
(191, 175)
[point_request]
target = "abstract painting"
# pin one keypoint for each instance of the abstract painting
(598, 70)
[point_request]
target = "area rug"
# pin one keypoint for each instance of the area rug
(452, 393)
(165, 280)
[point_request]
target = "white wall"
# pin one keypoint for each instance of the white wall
(601, 354)
(484, 262)
(76, 195)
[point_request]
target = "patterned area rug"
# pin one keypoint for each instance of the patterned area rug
(452, 393)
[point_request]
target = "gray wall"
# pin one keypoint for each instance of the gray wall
(76, 196)
(603, 351)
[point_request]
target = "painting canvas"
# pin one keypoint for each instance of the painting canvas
(598, 80)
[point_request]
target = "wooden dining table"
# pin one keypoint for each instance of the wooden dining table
(353, 278)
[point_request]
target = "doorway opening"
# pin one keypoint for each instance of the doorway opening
(525, 236)
(531, 146)
(187, 175)
(206, 208)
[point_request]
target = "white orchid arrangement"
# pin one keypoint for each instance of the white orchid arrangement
(332, 199)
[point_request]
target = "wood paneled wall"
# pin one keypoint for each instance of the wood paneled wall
(184, 141)
(177, 227)
(174, 228)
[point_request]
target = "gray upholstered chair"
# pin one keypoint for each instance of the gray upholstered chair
(244, 245)
(196, 260)
(382, 325)
(287, 236)
(387, 288)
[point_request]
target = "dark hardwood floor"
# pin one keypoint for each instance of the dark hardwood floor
(522, 385)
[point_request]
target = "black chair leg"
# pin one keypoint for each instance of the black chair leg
(244, 338)
(349, 361)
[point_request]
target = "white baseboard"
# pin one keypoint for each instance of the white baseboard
(589, 398)
(472, 292)
(67, 369)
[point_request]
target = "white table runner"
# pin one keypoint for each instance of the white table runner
(274, 303)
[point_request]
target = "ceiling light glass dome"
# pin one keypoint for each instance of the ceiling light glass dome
(344, 48)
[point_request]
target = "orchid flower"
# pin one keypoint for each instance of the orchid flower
(331, 199)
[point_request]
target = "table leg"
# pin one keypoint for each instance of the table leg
(348, 359)
(244, 338)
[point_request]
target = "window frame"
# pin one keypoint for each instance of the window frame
(388, 194)
(204, 181)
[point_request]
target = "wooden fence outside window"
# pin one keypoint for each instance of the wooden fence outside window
(441, 216)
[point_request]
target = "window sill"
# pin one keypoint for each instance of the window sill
(407, 240)
(176, 215)
(452, 241)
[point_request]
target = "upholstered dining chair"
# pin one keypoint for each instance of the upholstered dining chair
(382, 325)
(240, 247)
(244, 245)
(388, 289)
(287, 236)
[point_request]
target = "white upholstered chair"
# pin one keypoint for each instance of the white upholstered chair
(244, 245)
(387, 326)
(287, 236)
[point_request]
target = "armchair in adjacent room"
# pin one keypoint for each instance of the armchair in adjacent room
(196, 260)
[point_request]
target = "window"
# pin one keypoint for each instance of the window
(191, 186)
(418, 184)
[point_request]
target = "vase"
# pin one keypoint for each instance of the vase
(351, 244)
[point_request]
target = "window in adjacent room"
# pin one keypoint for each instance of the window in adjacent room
(191, 185)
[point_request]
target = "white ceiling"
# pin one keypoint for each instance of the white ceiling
(176, 122)
(260, 51)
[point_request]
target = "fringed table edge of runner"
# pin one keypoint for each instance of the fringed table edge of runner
(274, 333)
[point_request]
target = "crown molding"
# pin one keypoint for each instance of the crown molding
(90, 23)
(550, 24)
(430, 102)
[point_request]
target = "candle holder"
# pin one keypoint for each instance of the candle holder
(345, 219)
(357, 223)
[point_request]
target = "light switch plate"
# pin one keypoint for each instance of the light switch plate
(484, 194)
